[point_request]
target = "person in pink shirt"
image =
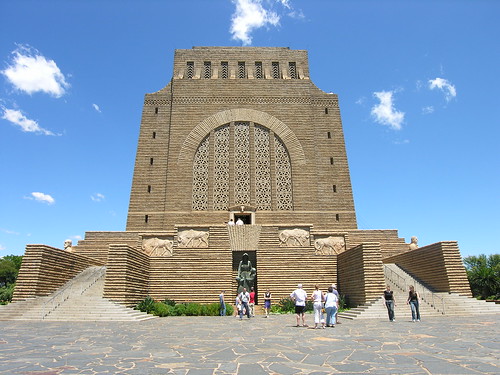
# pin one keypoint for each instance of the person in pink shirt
(251, 303)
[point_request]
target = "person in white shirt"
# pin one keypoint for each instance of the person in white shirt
(299, 296)
(244, 297)
(239, 222)
(331, 307)
(317, 298)
(230, 222)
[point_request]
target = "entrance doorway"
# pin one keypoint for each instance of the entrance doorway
(246, 218)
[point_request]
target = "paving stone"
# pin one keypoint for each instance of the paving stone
(441, 347)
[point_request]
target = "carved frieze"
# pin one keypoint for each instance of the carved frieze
(332, 245)
(193, 238)
(157, 247)
(294, 237)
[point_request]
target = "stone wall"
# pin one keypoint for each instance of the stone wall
(127, 274)
(45, 269)
(390, 243)
(178, 117)
(96, 244)
(438, 265)
(361, 273)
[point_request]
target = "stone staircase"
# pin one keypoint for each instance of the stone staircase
(78, 300)
(431, 303)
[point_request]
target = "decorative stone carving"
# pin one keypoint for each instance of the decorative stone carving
(68, 246)
(329, 245)
(413, 243)
(294, 237)
(157, 247)
(193, 238)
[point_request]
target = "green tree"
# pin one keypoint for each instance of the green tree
(483, 273)
(9, 268)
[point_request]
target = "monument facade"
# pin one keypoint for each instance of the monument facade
(241, 135)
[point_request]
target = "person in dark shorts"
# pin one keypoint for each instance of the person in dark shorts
(299, 297)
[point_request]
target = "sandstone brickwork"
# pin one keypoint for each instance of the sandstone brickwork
(439, 265)
(45, 269)
(361, 273)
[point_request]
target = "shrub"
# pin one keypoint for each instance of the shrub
(170, 308)
(6, 293)
(169, 302)
(161, 309)
(147, 305)
(193, 309)
(180, 309)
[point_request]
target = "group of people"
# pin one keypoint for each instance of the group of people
(322, 303)
(412, 300)
(245, 303)
(238, 222)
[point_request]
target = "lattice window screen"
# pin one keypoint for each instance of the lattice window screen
(221, 168)
(292, 70)
(241, 173)
(275, 69)
(262, 169)
(224, 69)
(283, 176)
(200, 176)
(241, 163)
(207, 70)
(258, 70)
(241, 70)
(190, 69)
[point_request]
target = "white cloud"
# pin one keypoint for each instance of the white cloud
(445, 86)
(2, 248)
(41, 197)
(96, 107)
(31, 72)
(27, 125)
(97, 197)
(7, 231)
(427, 110)
(248, 16)
(384, 113)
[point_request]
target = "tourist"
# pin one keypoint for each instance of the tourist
(413, 302)
(244, 297)
(267, 302)
(299, 297)
(222, 304)
(230, 222)
(239, 221)
(239, 307)
(334, 286)
(251, 302)
(317, 298)
(390, 303)
(331, 307)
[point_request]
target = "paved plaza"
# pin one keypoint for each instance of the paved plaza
(226, 345)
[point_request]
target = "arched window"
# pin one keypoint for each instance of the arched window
(250, 165)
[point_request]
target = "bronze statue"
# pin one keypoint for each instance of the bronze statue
(246, 274)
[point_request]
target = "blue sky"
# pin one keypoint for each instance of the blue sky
(417, 83)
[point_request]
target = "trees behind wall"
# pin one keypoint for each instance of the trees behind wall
(484, 275)
(9, 268)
